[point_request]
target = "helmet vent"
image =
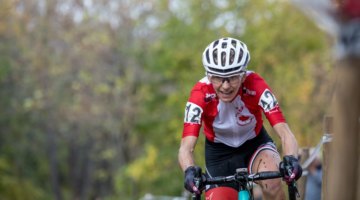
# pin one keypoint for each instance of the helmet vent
(233, 42)
(215, 53)
(232, 56)
(207, 56)
(216, 43)
(223, 58)
(247, 58)
(240, 55)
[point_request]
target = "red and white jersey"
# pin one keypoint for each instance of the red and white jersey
(231, 123)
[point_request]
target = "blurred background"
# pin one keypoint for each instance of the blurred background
(92, 93)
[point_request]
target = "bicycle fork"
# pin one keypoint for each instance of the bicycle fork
(244, 193)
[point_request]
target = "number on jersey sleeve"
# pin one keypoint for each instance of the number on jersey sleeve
(267, 100)
(193, 113)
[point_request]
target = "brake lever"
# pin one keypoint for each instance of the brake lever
(294, 186)
(197, 181)
(293, 183)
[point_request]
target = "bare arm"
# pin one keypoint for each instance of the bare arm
(186, 150)
(288, 140)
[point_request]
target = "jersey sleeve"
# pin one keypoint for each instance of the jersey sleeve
(267, 101)
(193, 112)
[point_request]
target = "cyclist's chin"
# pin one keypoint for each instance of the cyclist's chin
(226, 97)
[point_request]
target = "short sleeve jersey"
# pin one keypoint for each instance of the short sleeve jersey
(231, 123)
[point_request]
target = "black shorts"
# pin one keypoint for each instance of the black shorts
(223, 160)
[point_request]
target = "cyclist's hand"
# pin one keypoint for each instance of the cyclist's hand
(191, 173)
(291, 169)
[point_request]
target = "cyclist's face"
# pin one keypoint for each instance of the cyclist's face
(226, 88)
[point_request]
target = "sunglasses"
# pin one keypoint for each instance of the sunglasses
(233, 80)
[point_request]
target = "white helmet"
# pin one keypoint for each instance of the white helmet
(225, 57)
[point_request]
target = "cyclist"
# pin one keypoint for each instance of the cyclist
(229, 102)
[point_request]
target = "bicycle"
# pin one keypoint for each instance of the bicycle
(244, 179)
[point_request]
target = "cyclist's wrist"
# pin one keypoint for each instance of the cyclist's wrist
(291, 158)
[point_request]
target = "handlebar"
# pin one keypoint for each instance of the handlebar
(243, 177)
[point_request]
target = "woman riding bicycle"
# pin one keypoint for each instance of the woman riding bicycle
(229, 102)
